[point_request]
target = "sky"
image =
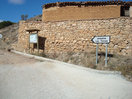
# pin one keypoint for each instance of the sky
(11, 10)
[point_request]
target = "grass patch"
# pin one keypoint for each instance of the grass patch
(40, 54)
(125, 70)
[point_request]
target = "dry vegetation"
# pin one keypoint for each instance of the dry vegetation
(115, 62)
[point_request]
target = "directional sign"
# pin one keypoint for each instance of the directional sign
(101, 39)
(33, 38)
(1, 36)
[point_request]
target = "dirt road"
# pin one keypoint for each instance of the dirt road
(11, 58)
(27, 78)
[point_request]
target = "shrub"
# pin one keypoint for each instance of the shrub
(5, 24)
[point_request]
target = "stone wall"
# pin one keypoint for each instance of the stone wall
(79, 13)
(75, 36)
(130, 9)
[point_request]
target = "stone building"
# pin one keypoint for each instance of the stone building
(70, 26)
(84, 10)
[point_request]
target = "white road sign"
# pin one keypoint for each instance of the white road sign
(33, 38)
(1, 36)
(101, 39)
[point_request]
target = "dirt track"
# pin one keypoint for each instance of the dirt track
(27, 78)
(11, 58)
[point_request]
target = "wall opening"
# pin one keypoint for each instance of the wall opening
(125, 11)
(41, 43)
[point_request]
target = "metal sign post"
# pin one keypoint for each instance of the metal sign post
(96, 54)
(38, 43)
(106, 54)
(101, 40)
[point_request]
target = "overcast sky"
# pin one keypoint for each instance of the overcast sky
(13, 9)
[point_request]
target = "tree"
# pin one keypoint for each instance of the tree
(5, 24)
(24, 17)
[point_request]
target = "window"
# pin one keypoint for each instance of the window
(125, 11)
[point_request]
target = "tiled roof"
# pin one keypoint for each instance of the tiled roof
(88, 3)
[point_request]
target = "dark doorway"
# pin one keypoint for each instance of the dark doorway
(125, 11)
(41, 42)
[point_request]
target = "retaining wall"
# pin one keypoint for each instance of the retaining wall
(75, 36)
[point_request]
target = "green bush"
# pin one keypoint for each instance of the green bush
(5, 24)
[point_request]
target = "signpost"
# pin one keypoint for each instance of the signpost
(33, 38)
(1, 36)
(101, 40)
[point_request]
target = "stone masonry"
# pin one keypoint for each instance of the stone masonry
(75, 36)
(130, 9)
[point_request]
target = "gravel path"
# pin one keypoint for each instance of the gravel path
(32, 79)
(11, 58)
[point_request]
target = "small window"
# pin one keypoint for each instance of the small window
(125, 11)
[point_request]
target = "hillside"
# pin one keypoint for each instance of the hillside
(10, 33)
(4, 24)
(36, 18)
(115, 62)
